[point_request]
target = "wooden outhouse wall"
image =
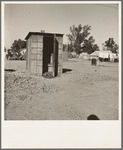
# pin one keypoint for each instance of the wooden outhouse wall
(65, 55)
(60, 54)
(35, 52)
(34, 61)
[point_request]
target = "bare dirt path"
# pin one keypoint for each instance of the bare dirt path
(80, 91)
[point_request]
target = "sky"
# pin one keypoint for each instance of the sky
(21, 18)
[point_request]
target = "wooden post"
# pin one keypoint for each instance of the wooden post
(54, 49)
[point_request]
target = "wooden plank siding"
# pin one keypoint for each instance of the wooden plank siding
(28, 55)
(60, 54)
(35, 46)
(36, 55)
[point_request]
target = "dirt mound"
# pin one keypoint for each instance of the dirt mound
(79, 91)
(29, 84)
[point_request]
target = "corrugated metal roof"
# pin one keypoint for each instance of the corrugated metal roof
(40, 33)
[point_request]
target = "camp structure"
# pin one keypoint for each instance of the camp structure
(94, 55)
(104, 55)
(84, 55)
(44, 53)
(107, 55)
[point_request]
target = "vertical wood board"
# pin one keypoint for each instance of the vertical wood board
(29, 53)
(60, 59)
(59, 69)
(60, 52)
(39, 69)
(36, 53)
(33, 66)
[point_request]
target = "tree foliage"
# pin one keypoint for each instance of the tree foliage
(17, 45)
(70, 47)
(77, 36)
(89, 46)
(112, 45)
(65, 47)
(95, 47)
(115, 48)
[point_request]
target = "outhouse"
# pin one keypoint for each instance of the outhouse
(44, 53)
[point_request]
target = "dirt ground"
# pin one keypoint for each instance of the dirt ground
(80, 91)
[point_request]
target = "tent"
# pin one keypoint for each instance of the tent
(84, 55)
(105, 54)
(94, 55)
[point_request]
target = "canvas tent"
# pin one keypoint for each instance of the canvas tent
(105, 54)
(94, 55)
(84, 55)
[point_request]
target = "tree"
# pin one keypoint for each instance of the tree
(77, 36)
(115, 48)
(89, 46)
(65, 47)
(110, 44)
(69, 47)
(95, 47)
(18, 45)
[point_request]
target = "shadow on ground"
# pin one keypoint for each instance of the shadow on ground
(10, 70)
(66, 70)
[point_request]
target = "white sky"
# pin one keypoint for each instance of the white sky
(20, 19)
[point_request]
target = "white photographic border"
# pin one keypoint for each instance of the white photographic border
(59, 134)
